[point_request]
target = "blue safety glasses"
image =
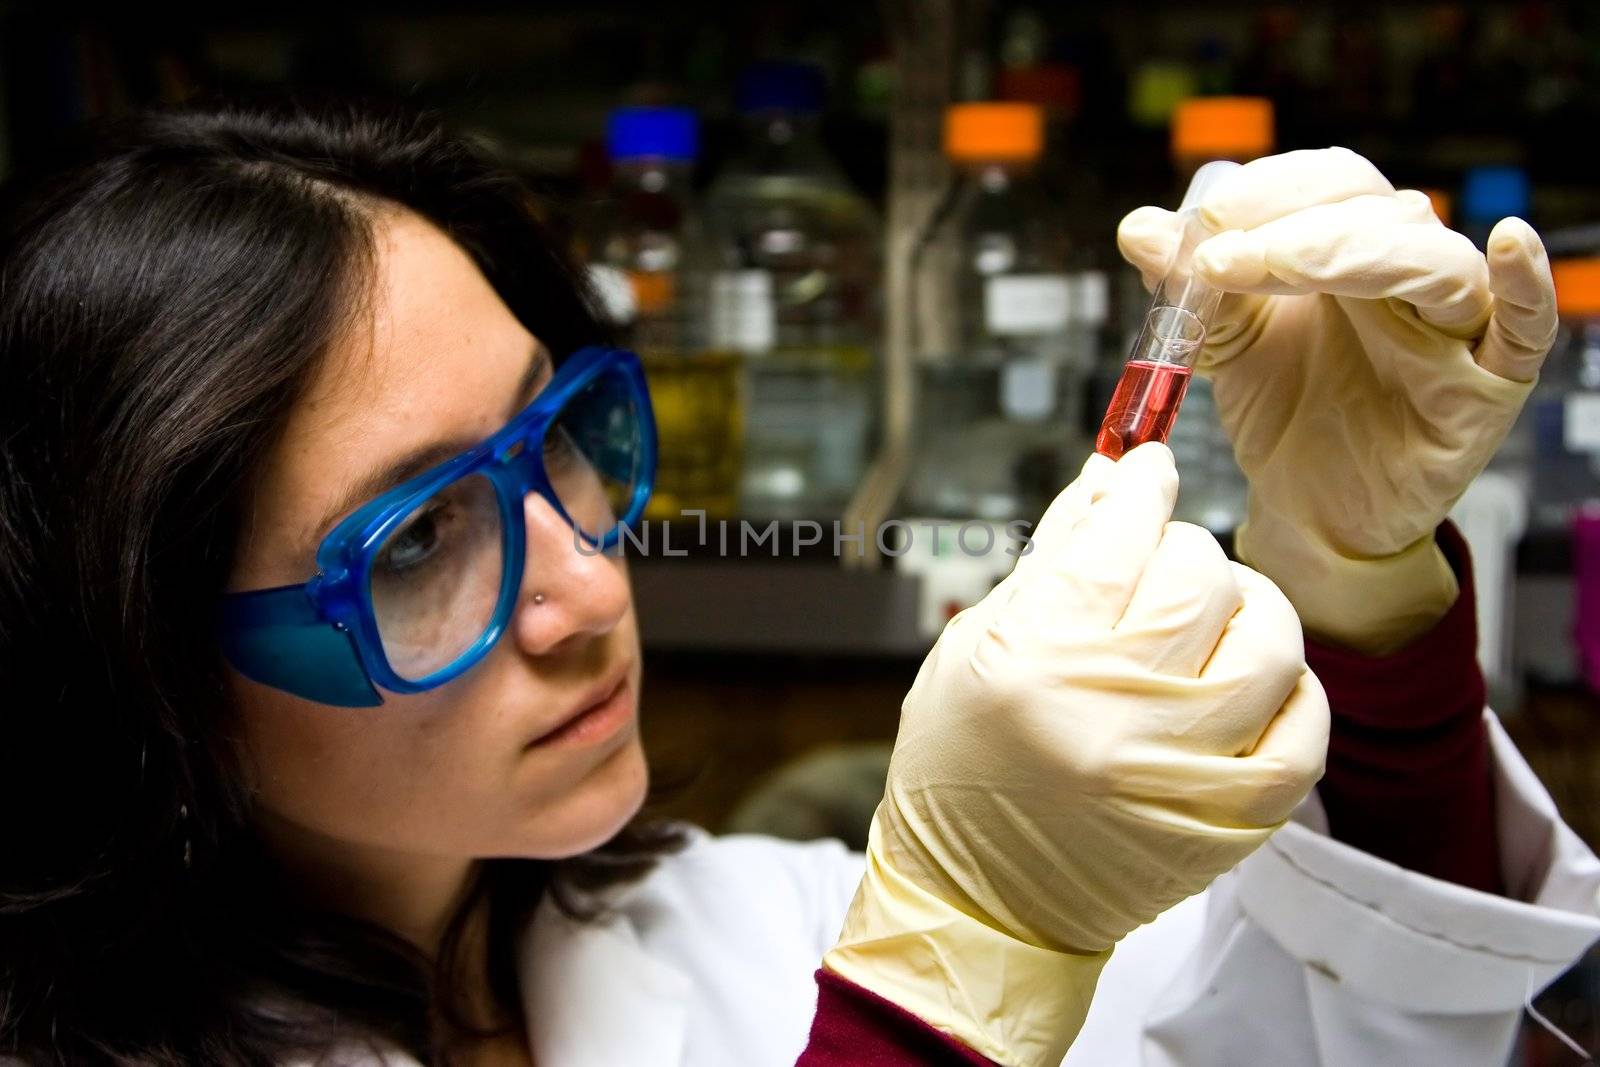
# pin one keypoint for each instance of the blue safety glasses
(415, 587)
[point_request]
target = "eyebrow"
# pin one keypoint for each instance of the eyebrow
(419, 459)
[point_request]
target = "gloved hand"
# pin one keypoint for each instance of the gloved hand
(1123, 718)
(1370, 365)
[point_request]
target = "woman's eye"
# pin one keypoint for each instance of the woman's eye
(415, 543)
(559, 446)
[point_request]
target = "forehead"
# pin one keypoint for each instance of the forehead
(433, 355)
(434, 349)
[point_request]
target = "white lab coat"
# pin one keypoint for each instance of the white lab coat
(1309, 953)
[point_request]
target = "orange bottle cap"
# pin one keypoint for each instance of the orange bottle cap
(1007, 132)
(1577, 286)
(652, 291)
(1222, 127)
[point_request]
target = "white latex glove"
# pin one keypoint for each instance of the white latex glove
(1125, 717)
(1369, 367)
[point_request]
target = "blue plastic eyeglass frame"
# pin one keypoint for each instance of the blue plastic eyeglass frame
(320, 640)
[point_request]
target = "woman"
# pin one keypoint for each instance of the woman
(303, 418)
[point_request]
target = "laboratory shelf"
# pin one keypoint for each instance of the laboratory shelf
(809, 606)
(776, 606)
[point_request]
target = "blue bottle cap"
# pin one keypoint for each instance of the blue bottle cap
(792, 87)
(1489, 194)
(670, 133)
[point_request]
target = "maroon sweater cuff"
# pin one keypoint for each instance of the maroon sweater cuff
(1409, 777)
(854, 1026)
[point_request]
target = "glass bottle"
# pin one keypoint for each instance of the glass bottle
(794, 288)
(1002, 371)
(644, 264)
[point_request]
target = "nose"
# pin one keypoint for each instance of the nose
(582, 593)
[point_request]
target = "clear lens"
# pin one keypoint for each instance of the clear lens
(436, 579)
(593, 453)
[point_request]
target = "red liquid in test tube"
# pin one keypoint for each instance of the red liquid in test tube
(1161, 358)
(1143, 407)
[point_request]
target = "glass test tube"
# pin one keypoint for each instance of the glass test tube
(1162, 357)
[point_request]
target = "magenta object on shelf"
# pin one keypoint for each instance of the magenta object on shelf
(1586, 575)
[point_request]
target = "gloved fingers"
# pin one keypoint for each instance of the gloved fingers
(1071, 505)
(1148, 238)
(1366, 248)
(1065, 512)
(1291, 755)
(1274, 187)
(1298, 253)
(1087, 579)
(1255, 789)
(1523, 326)
(1258, 659)
(1183, 603)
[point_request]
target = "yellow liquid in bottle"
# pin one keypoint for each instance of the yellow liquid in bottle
(699, 402)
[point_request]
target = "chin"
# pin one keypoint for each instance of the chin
(600, 806)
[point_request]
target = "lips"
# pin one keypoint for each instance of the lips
(593, 714)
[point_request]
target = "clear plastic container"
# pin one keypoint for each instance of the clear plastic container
(643, 249)
(1002, 365)
(1079, 193)
(794, 255)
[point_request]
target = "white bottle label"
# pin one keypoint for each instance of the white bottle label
(1581, 424)
(1026, 303)
(958, 563)
(743, 314)
(1091, 297)
(1028, 388)
(615, 292)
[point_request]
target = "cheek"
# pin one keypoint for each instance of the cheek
(435, 773)
(591, 812)
(366, 775)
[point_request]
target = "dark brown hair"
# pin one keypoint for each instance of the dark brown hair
(168, 284)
